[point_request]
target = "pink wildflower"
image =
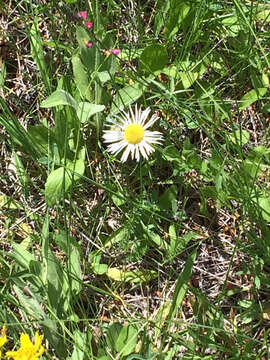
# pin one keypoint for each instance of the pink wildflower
(88, 24)
(115, 51)
(82, 14)
(89, 44)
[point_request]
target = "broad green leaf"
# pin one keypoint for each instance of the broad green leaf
(59, 97)
(181, 288)
(30, 304)
(6, 202)
(160, 16)
(126, 96)
(22, 256)
(263, 15)
(75, 269)
(171, 153)
(81, 78)
(251, 96)
(80, 345)
(154, 58)
(85, 110)
(231, 25)
(154, 238)
(97, 268)
(54, 337)
(59, 180)
(36, 45)
(119, 235)
(100, 269)
(42, 136)
(127, 340)
(112, 334)
(178, 12)
(168, 197)
(21, 173)
(82, 36)
(133, 276)
(264, 203)
(190, 73)
(55, 281)
(57, 183)
(117, 200)
(240, 137)
(103, 76)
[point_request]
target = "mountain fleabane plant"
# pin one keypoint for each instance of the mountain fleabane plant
(130, 132)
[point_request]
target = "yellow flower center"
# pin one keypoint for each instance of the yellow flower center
(134, 134)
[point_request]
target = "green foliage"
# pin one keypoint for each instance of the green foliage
(162, 259)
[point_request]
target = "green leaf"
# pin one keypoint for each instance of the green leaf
(178, 12)
(168, 197)
(231, 25)
(81, 78)
(188, 76)
(127, 340)
(154, 58)
(126, 96)
(171, 153)
(133, 276)
(41, 136)
(82, 37)
(6, 202)
(251, 96)
(30, 304)
(112, 334)
(119, 235)
(97, 268)
(100, 269)
(264, 203)
(263, 15)
(57, 183)
(181, 287)
(3, 73)
(240, 137)
(80, 345)
(75, 269)
(103, 77)
(36, 45)
(59, 97)
(85, 110)
(59, 180)
(154, 238)
(23, 257)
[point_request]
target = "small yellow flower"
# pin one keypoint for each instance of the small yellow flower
(3, 338)
(28, 350)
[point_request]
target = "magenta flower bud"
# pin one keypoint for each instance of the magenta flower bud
(82, 14)
(89, 24)
(89, 44)
(115, 51)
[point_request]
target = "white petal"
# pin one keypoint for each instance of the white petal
(141, 147)
(112, 136)
(144, 116)
(148, 148)
(117, 147)
(149, 123)
(126, 153)
(137, 152)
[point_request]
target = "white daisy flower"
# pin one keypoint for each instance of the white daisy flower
(130, 133)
